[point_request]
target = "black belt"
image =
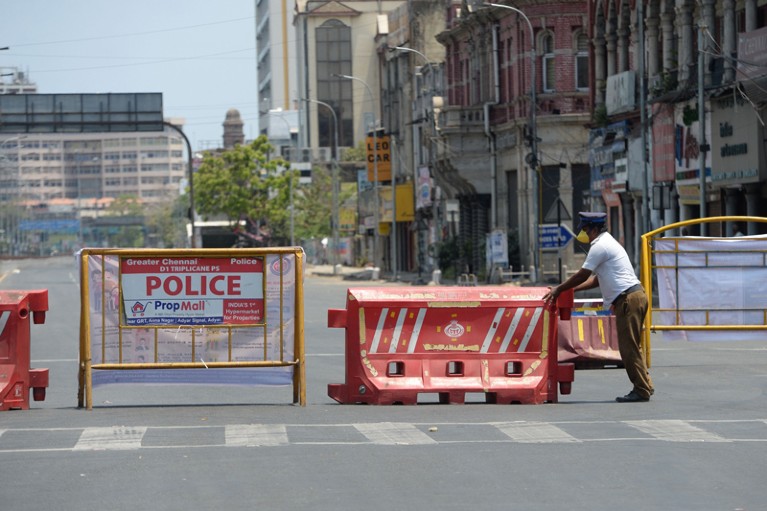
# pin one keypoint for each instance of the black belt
(632, 289)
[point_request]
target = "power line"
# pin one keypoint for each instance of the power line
(117, 36)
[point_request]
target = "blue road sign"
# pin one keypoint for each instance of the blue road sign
(554, 237)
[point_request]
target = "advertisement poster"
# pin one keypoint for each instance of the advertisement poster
(192, 291)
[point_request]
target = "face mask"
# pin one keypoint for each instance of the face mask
(583, 237)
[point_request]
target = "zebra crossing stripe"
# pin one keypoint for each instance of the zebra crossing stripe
(117, 438)
(388, 433)
(250, 435)
(675, 431)
(535, 433)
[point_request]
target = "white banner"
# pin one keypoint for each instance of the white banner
(714, 282)
(267, 289)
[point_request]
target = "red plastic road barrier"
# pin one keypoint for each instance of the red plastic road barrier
(405, 341)
(16, 377)
(590, 337)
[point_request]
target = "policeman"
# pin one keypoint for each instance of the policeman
(608, 266)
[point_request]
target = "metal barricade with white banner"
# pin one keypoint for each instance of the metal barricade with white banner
(159, 316)
(709, 288)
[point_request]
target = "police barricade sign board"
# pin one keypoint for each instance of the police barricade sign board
(191, 291)
(238, 314)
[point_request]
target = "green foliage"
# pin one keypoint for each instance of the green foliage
(358, 153)
(166, 223)
(689, 115)
(125, 205)
(129, 236)
(600, 117)
(243, 183)
(448, 256)
(314, 206)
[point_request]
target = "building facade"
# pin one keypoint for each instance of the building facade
(339, 77)
(53, 183)
(681, 129)
(514, 115)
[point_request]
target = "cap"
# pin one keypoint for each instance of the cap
(591, 218)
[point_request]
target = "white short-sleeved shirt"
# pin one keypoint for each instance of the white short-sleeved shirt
(608, 260)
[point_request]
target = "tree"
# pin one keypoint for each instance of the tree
(128, 235)
(313, 206)
(243, 183)
(166, 223)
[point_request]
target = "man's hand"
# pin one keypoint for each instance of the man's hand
(552, 295)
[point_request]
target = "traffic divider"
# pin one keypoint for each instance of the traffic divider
(589, 339)
(404, 341)
(17, 378)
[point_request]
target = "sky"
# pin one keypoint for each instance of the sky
(200, 54)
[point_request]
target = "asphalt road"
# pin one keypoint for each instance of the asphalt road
(700, 444)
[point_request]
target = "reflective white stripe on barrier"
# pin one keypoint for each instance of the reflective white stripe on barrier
(493, 328)
(397, 331)
(530, 329)
(512, 328)
(416, 331)
(379, 329)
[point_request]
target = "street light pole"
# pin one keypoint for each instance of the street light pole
(191, 178)
(533, 132)
(334, 179)
(375, 162)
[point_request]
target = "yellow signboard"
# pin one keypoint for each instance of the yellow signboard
(379, 155)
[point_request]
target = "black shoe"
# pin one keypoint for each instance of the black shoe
(632, 397)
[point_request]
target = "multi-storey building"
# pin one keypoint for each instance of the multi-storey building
(15, 81)
(39, 167)
(276, 62)
(412, 84)
(516, 145)
(694, 102)
(339, 76)
(53, 183)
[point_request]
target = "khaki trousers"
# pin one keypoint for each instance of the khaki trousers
(630, 311)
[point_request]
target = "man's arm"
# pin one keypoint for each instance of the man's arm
(581, 280)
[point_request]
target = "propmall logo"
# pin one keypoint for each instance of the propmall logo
(139, 309)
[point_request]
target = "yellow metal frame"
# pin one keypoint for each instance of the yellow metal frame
(647, 267)
(86, 366)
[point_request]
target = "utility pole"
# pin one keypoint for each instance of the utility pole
(702, 126)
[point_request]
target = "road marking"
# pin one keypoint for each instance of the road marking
(114, 438)
(251, 435)
(389, 433)
(675, 431)
(534, 433)
(386, 433)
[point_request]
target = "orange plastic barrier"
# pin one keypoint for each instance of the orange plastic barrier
(589, 338)
(405, 341)
(16, 377)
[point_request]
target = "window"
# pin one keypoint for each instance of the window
(334, 56)
(582, 62)
(549, 73)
